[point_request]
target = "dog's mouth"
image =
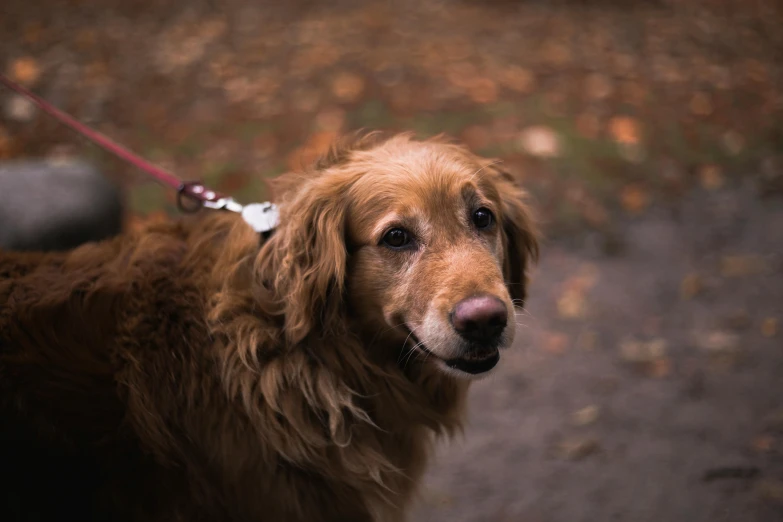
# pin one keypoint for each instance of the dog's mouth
(480, 359)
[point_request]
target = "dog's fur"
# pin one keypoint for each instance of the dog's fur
(189, 372)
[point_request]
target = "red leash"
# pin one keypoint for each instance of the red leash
(192, 190)
(262, 217)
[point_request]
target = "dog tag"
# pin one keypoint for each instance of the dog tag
(262, 217)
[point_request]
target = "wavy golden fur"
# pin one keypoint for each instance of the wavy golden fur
(189, 372)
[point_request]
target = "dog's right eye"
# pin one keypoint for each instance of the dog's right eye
(397, 238)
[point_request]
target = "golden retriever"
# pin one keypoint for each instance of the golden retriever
(193, 371)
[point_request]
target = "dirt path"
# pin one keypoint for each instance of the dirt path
(570, 429)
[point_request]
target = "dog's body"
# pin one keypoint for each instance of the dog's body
(189, 372)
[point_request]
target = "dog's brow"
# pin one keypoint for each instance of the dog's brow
(384, 223)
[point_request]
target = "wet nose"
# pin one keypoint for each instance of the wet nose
(480, 319)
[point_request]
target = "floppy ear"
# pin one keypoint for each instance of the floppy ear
(520, 235)
(303, 263)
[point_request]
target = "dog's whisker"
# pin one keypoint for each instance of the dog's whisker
(491, 163)
(405, 342)
(413, 351)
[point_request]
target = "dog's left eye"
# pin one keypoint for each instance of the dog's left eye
(397, 238)
(482, 218)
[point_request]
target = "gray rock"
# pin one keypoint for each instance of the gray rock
(56, 205)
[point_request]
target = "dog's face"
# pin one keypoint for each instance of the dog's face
(436, 242)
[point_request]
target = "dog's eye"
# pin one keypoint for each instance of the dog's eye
(397, 238)
(482, 218)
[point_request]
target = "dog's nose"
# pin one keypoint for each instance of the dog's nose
(480, 319)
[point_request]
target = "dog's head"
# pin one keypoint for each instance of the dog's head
(420, 248)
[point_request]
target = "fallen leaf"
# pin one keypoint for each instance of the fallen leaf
(711, 177)
(594, 212)
(316, 146)
(733, 142)
(265, 145)
(742, 265)
(598, 86)
(770, 490)
(518, 79)
(86, 39)
(718, 341)
(436, 497)
(700, 104)
(587, 341)
(331, 120)
(625, 63)
(588, 125)
(18, 108)
(483, 90)
(635, 351)
(763, 443)
(540, 141)
(556, 54)
(5, 144)
(774, 421)
(755, 70)
(769, 327)
(632, 152)
(634, 93)
(624, 129)
(33, 32)
(659, 368)
(691, 286)
(476, 137)
(555, 342)
(588, 276)
(643, 351)
(585, 416)
(572, 304)
(634, 198)
(61, 154)
(651, 325)
(306, 99)
(25, 70)
(347, 87)
(739, 320)
(576, 448)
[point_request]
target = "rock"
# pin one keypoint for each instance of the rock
(56, 205)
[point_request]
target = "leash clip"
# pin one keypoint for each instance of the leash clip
(225, 203)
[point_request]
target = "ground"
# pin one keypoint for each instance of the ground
(646, 382)
(639, 381)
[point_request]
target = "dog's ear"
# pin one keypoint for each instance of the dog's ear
(303, 263)
(520, 235)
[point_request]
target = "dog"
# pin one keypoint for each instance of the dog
(194, 370)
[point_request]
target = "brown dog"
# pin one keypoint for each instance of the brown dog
(189, 372)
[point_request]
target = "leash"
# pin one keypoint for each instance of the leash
(262, 217)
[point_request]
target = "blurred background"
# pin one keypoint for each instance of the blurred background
(647, 383)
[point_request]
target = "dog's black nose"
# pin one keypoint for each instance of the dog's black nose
(480, 319)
